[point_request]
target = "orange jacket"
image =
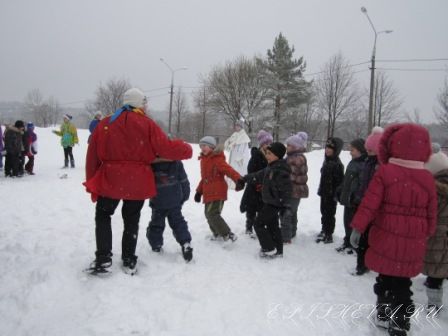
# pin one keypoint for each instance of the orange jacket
(214, 167)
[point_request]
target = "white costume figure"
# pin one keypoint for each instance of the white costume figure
(238, 146)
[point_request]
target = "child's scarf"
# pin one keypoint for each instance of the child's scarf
(125, 108)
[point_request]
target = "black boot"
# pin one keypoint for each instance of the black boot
(383, 304)
(72, 163)
(400, 322)
(187, 252)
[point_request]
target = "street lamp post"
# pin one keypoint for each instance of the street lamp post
(372, 72)
(170, 113)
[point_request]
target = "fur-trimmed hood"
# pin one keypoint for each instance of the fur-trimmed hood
(219, 149)
(14, 129)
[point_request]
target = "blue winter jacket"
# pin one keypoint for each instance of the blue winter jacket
(173, 187)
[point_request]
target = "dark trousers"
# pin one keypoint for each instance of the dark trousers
(68, 154)
(289, 224)
(328, 212)
(130, 211)
(362, 249)
(349, 212)
(176, 221)
(251, 215)
(268, 229)
(395, 292)
(434, 283)
(29, 166)
(12, 164)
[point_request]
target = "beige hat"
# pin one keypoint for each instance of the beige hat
(134, 97)
(437, 162)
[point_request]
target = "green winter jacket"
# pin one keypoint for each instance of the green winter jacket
(68, 134)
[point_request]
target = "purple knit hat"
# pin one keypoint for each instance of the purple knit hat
(264, 138)
(298, 141)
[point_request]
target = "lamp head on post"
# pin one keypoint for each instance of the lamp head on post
(171, 91)
(370, 119)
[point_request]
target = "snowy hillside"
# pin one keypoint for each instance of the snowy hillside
(47, 239)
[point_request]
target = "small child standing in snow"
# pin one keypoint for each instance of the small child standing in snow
(331, 176)
(173, 189)
(14, 149)
(69, 138)
(252, 202)
(212, 187)
(436, 259)
(31, 147)
(276, 194)
(400, 206)
(370, 166)
(349, 190)
(295, 147)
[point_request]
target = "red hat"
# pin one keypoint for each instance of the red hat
(405, 141)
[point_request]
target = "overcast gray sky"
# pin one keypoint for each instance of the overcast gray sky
(66, 48)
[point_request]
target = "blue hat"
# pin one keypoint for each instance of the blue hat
(30, 125)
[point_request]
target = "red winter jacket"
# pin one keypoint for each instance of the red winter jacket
(400, 204)
(120, 153)
(214, 167)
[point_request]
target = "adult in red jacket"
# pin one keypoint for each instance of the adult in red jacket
(400, 205)
(118, 168)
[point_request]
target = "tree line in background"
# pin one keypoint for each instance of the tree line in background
(269, 93)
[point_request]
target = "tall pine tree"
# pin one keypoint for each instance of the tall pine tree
(283, 77)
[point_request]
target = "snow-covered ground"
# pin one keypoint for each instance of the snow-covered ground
(47, 239)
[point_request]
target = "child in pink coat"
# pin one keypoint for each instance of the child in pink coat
(400, 206)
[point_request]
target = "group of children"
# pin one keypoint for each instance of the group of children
(391, 212)
(389, 197)
(17, 144)
(394, 192)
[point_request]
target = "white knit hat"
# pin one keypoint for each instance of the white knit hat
(134, 97)
(437, 162)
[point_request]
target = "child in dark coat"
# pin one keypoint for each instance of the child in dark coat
(252, 202)
(349, 190)
(370, 166)
(276, 194)
(173, 190)
(331, 176)
(14, 149)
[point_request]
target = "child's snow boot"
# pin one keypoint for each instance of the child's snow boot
(187, 252)
(268, 253)
(434, 298)
(130, 265)
(230, 236)
(100, 265)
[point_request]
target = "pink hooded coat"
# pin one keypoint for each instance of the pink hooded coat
(400, 203)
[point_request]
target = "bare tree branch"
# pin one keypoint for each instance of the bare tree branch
(336, 91)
